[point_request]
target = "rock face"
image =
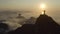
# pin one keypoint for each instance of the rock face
(3, 28)
(44, 25)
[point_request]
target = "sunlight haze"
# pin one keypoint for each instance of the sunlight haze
(52, 7)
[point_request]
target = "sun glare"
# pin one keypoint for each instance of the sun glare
(42, 6)
(42, 12)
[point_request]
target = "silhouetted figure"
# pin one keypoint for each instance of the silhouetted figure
(44, 12)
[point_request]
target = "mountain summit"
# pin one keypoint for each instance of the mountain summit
(45, 24)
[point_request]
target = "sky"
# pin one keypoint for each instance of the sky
(52, 6)
(28, 4)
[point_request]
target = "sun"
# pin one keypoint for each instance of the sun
(42, 6)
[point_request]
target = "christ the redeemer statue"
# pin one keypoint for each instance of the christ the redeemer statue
(44, 12)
